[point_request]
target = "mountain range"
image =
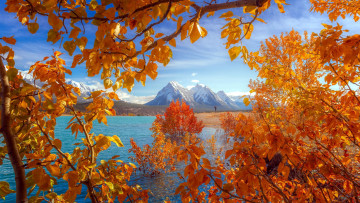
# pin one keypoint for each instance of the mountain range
(84, 89)
(198, 97)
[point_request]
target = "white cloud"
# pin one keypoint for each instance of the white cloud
(201, 61)
(195, 81)
(194, 74)
(94, 83)
(30, 63)
(134, 99)
(237, 93)
(190, 86)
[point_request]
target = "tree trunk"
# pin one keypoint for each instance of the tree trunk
(9, 137)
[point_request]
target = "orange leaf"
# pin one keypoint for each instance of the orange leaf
(9, 40)
(172, 42)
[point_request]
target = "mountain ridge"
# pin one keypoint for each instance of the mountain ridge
(198, 97)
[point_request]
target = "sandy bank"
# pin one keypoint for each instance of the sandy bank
(212, 119)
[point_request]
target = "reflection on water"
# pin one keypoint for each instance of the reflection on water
(161, 186)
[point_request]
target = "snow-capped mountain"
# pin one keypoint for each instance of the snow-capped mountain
(198, 97)
(84, 89)
(204, 95)
(230, 102)
(30, 79)
(171, 92)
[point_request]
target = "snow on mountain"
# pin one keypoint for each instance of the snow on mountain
(230, 102)
(204, 95)
(171, 92)
(200, 97)
(84, 89)
(30, 79)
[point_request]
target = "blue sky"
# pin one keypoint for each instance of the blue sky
(206, 61)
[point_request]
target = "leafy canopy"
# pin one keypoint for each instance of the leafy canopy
(301, 142)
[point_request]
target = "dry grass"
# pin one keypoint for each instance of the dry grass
(212, 119)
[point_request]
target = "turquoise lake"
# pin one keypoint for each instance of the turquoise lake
(162, 186)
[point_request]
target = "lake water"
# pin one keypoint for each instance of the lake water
(162, 186)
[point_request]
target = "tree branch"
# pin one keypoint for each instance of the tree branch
(92, 157)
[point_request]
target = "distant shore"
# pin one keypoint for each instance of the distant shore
(210, 119)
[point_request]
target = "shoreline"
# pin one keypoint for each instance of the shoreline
(209, 119)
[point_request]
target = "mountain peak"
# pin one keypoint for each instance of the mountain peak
(174, 83)
(200, 85)
(199, 96)
(171, 92)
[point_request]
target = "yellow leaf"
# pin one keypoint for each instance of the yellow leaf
(53, 36)
(261, 20)
(172, 42)
(206, 163)
(81, 43)
(54, 170)
(103, 141)
(117, 141)
(113, 95)
(194, 32)
(328, 78)
(57, 143)
(184, 30)
(151, 70)
(72, 178)
(250, 9)
(203, 32)
(76, 60)
(70, 47)
(95, 94)
(9, 40)
(234, 52)
(51, 195)
(41, 179)
(110, 185)
(179, 23)
(110, 13)
(117, 85)
(281, 8)
(12, 73)
(246, 101)
(248, 30)
(228, 187)
(33, 27)
(5, 189)
(108, 83)
(210, 14)
(227, 14)
(158, 35)
(74, 32)
(55, 22)
(133, 165)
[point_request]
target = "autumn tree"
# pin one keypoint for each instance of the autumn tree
(177, 120)
(178, 126)
(228, 123)
(301, 143)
